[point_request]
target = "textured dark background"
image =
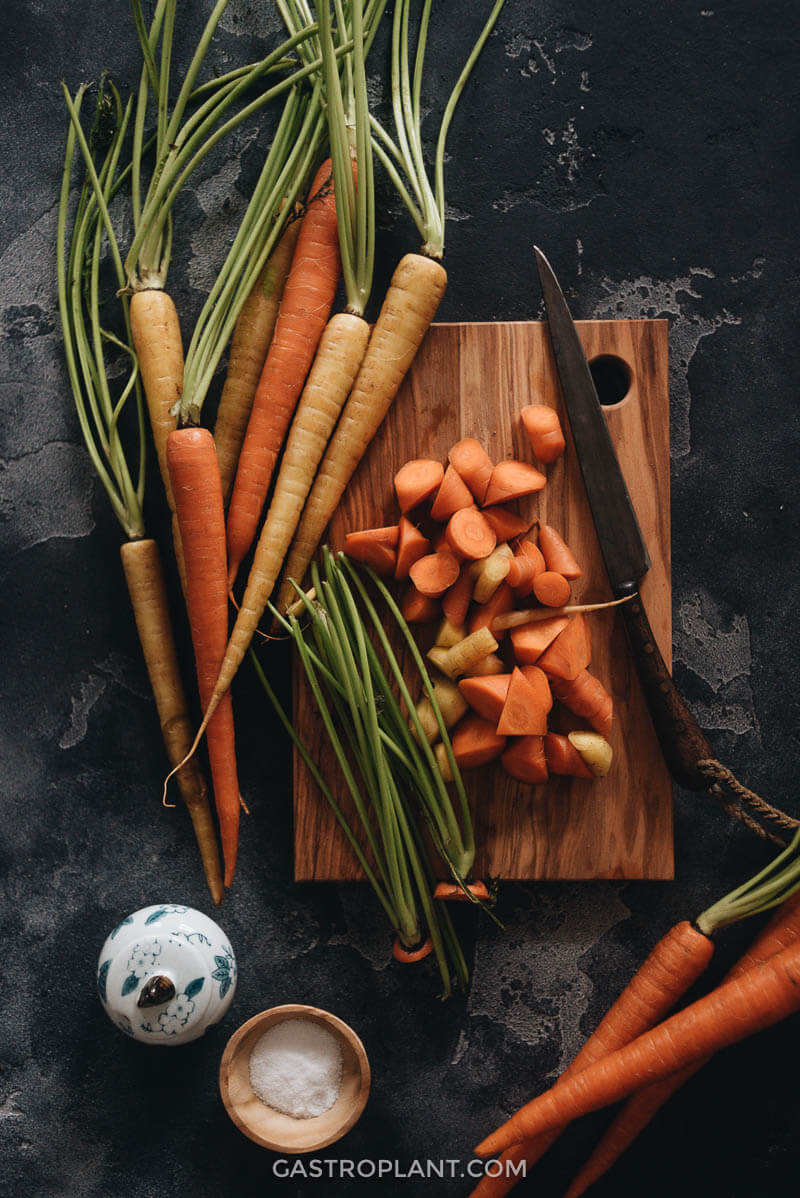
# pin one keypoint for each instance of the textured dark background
(652, 151)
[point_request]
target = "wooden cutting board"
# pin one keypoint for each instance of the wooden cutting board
(472, 380)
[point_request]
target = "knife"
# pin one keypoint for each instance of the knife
(624, 552)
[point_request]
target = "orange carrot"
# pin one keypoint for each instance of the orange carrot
(513, 480)
(530, 641)
(544, 430)
(194, 474)
(563, 758)
(533, 552)
(541, 684)
(455, 602)
(758, 999)
(248, 350)
(408, 956)
(452, 495)
(486, 695)
(551, 589)
(452, 892)
(474, 466)
(585, 695)
(557, 554)
(570, 652)
(434, 573)
(782, 930)
(501, 601)
(374, 547)
(469, 534)
(523, 712)
(416, 481)
(521, 575)
(307, 300)
(506, 524)
(475, 742)
(673, 966)
(524, 760)
(411, 546)
(418, 608)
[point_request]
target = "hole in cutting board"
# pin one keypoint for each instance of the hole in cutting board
(612, 378)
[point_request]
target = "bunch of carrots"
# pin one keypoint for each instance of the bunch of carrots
(640, 1052)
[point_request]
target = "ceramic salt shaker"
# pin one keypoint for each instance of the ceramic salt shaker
(166, 974)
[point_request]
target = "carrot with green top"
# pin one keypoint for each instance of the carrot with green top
(414, 295)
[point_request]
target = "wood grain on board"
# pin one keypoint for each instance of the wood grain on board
(472, 380)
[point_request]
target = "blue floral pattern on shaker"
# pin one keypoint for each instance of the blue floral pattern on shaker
(143, 958)
(225, 971)
(160, 912)
(102, 979)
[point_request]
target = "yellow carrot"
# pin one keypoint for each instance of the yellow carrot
(157, 340)
(141, 563)
(248, 350)
(410, 304)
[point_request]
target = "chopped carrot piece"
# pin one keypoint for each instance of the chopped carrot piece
(434, 573)
(530, 641)
(585, 695)
(551, 589)
(452, 495)
(418, 608)
(512, 480)
(541, 684)
(506, 524)
(501, 601)
(570, 652)
(544, 430)
(474, 466)
(411, 546)
(452, 892)
(455, 602)
(475, 742)
(486, 695)
(557, 554)
(563, 758)
(533, 552)
(407, 956)
(524, 760)
(521, 574)
(416, 481)
(523, 713)
(469, 534)
(374, 547)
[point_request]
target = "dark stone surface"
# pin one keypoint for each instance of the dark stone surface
(652, 151)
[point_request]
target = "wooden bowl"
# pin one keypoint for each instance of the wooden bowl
(270, 1128)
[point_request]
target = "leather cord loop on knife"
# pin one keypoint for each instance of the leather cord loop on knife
(718, 773)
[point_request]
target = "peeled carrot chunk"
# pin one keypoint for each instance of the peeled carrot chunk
(455, 601)
(474, 466)
(486, 695)
(501, 601)
(452, 495)
(418, 608)
(570, 652)
(563, 758)
(374, 547)
(416, 481)
(523, 714)
(524, 760)
(533, 552)
(513, 480)
(585, 695)
(521, 574)
(544, 430)
(434, 573)
(469, 534)
(541, 684)
(557, 554)
(452, 892)
(506, 524)
(475, 742)
(530, 640)
(411, 546)
(551, 589)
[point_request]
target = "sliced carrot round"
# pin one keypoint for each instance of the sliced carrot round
(416, 481)
(551, 589)
(470, 535)
(435, 572)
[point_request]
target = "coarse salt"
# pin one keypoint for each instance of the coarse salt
(296, 1068)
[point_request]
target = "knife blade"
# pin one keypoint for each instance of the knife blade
(624, 552)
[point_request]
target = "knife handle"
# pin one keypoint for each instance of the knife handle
(679, 735)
